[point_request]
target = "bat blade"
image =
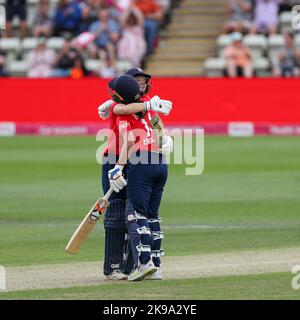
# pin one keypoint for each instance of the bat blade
(86, 226)
(158, 127)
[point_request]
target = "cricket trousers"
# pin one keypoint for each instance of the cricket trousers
(147, 174)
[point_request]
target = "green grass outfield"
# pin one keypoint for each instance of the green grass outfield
(249, 287)
(246, 199)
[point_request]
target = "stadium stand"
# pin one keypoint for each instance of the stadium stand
(15, 47)
(189, 39)
(189, 43)
(269, 52)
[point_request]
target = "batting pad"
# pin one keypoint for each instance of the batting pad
(115, 229)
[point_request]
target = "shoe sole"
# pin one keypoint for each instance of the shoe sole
(120, 279)
(144, 275)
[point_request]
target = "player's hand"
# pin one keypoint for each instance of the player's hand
(165, 107)
(158, 105)
(104, 109)
(116, 179)
(167, 145)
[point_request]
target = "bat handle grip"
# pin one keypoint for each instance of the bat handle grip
(108, 194)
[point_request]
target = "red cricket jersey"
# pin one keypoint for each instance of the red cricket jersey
(113, 143)
(141, 128)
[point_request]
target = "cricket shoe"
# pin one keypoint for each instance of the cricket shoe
(116, 275)
(142, 271)
(155, 276)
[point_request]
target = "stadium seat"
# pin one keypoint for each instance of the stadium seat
(275, 45)
(261, 67)
(256, 43)
(285, 21)
(274, 57)
(55, 43)
(10, 45)
(93, 65)
(276, 41)
(17, 68)
(222, 41)
(297, 40)
(214, 67)
(29, 44)
(10, 57)
(124, 65)
(31, 12)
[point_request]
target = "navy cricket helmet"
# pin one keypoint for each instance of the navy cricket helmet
(124, 89)
(135, 72)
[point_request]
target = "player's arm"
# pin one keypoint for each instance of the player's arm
(104, 109)
(122, 109)
(155, 104)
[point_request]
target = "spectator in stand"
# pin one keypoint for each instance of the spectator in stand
(240, 16)
(42, 25)
(2, 64)
(40, 61)
(166, 7)
(87, 15)
(114, 10)
(153, 14)
(265, 16)
(289, 58)
(287, 5)
(237, 58)
(132, 46)
(67, 17)
(107, 32)
(96, 5)
(16, 8)
(78, 71)
(165, 4)
(65, 60)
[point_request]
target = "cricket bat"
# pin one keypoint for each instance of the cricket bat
(88, 223)
(158, 126)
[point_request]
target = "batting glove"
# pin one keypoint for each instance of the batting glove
(167, 145)
(104, 109)
(116, 179)
(158, 105)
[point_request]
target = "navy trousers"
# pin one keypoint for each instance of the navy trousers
(146, 184)
(145, 187)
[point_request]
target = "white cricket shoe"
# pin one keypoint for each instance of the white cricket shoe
(116, 275)
(142, 271)
(155, 276)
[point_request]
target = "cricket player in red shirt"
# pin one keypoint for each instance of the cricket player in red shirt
(147, 174)
(115, 267)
